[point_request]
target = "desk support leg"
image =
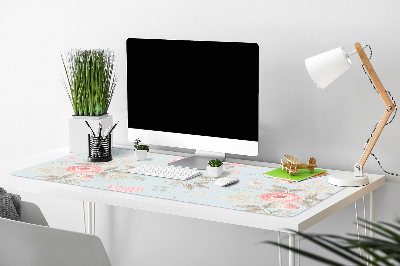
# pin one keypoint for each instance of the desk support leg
(292, 244)
(279, 249)
(298, 247)
(89, 214)
(372, 210)
(372, 213)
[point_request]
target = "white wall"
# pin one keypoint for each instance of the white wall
(295, 117)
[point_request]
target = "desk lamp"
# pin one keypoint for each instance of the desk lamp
(323, 70)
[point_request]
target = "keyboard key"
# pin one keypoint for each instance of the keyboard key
(165, 172)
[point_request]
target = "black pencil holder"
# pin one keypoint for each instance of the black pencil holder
(99, 149)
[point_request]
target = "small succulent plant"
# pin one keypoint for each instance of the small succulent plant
(215, 163)
(140, 147)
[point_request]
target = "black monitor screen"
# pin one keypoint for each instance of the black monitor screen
(193, 87)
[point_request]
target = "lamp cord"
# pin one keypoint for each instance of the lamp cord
(387, 123)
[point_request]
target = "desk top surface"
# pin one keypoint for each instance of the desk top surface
(167, 200)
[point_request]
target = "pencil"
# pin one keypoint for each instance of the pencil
(90, 132)
(89, 127)
(106, 132)
(112, 129)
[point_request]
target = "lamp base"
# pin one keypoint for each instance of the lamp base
(347, 179)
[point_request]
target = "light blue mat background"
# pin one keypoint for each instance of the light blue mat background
(255, 192)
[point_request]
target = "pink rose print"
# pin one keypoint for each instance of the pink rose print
(315, 181)
(124, 189)
(175, 159)
(289, 206)
(84, 169)
(282, 180)
(281, 197)
(234, 172)
(256, 183)
(71, 158)
(237, 164)
(85, 176)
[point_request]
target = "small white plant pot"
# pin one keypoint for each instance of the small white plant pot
(215, 171)
(141, 155)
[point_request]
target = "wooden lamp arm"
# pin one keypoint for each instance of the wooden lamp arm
(371, 71)
(374, 138)
(389, 109)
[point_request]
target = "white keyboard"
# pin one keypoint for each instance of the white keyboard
(165, 172)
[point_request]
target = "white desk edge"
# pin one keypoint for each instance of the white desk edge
(300, 222)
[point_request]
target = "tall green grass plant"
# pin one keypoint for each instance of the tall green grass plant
(91, 80)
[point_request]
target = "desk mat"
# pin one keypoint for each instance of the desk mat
(255, 192)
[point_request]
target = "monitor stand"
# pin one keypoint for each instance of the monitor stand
(199, 160)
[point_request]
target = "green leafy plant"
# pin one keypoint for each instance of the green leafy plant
(215, 163)
(381, 251)
(140, 147)
(91, 80)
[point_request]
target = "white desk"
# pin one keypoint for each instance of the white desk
(297, 223)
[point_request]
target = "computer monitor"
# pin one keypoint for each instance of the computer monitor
(199, 95)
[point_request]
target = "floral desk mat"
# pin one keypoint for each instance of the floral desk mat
(255, 192)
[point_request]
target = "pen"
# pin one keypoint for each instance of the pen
(112, 129)
(97, 131)
(106, 132)
(89, 127)
(100, 129)
(90, 132)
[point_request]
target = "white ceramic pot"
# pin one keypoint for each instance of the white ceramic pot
(141, 155)
(215, 171)
(78, 131)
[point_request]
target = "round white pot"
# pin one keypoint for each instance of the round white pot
(215, 171)
(141, 155)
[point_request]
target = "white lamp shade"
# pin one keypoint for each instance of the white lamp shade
(326, 67)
